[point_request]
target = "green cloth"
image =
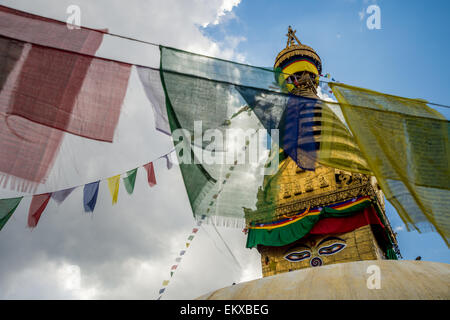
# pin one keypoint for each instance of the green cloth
(130, 180)
(7, 208)
(292, 232)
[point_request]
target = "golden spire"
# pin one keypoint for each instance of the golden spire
(291, 36)
(296, 50)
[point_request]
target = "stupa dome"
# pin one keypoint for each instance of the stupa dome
(405, 280)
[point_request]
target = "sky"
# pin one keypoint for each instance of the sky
(125, 251)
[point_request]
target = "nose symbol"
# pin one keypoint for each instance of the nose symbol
(316, 262)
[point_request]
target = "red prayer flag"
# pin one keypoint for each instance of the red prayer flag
(195, 230)
(174, 267)
(150, 174)
(37, 206)
(35, 29)
(43, 89)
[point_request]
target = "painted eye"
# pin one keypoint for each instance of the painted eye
(297, 256)
(334, 248)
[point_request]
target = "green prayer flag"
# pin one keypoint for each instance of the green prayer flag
(7, 208)
(191, 237)
(130, 180)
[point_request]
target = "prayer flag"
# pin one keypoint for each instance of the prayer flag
(130, 180)
(37, 206)
(168, 162)
(151, 81)
(165, 282)
(90, 194)
(406, 144)
(61, 195)
(191, 237)
(174, 267)
(161, 291)
(7, 208)
(150, 174)
(50, 83)
(113, 185)
(195, 230)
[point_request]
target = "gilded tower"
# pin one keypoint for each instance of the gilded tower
(355, 228)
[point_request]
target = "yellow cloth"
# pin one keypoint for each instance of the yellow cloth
(113, 185)
(338, 148)
(406, 144)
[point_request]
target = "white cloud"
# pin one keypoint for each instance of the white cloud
(226, 7)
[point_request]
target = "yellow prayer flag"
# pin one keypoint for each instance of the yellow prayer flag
(406, 144)
(113, 185)
(165, 282)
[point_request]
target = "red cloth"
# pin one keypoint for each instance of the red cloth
(48, 32)
(52, 89)
(150, 174)
(70, 92)
(346, 224)
(37, 206)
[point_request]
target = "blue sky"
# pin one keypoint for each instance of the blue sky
(408, 56)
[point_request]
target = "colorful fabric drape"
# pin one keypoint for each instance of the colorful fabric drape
(38, 204)
(90, 193)
(151, 178)
(47, 90)
(406, 144)
(7, 208)
(346, 224)
(130, 180)
(113, 186)
(288, 230)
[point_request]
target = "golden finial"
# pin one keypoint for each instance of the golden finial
(296, 50)
(291, 36)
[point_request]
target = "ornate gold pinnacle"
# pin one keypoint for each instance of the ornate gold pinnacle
(291, 37)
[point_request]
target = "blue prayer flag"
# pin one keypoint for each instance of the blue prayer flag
(90, 194)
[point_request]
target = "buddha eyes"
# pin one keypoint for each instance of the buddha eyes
(298, 256)
(332, 249)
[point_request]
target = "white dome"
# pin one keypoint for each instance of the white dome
(399, 280)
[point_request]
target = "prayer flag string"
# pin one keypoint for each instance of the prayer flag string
(174, 267)
(90, 193)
